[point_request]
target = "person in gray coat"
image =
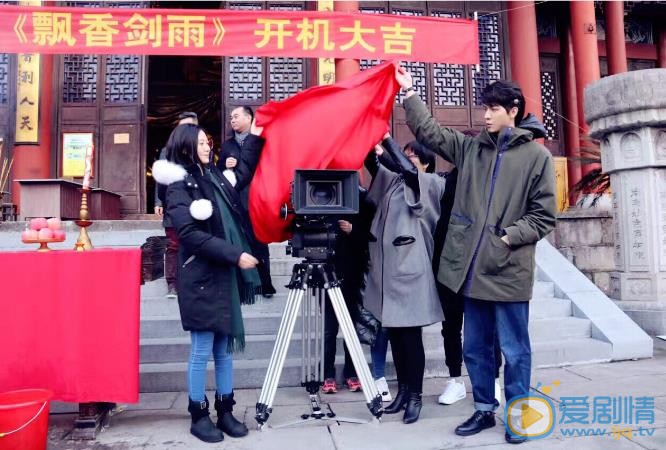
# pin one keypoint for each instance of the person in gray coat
(401, 291)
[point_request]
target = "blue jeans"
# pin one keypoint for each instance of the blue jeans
(203, 343)
(378, 353)
(507, 320)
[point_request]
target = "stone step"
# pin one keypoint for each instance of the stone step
(163, 350)
(555, 329)
(260, 338)
(546, 308)
(166, 377)
(564, 352)
(162, 306)
(160, 317)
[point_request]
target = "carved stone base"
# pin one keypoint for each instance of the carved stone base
(650, 316)
(90, 420)
(637, 286)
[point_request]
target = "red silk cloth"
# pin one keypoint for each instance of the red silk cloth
(225, 32)
(324, 127)
(69, 322)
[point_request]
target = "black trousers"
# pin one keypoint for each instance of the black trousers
(408, 356)
(331, 328)
(264, 267)
(453, 308)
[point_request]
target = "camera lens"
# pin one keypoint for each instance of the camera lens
(322, 194)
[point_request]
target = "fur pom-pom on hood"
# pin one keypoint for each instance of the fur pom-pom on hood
(166, 172)
(201, 209)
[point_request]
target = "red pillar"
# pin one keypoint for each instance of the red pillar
(525, 66)
(616, 50)
(571, 130)
(344, 68)
(34, 161)
(586, 54)
(661, 48)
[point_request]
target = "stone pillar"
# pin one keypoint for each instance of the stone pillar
(627, 114)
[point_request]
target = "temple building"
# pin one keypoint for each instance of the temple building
(129, 102)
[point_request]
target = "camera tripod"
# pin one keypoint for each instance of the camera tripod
(314, 279)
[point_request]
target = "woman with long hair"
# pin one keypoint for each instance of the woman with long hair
(216, 271)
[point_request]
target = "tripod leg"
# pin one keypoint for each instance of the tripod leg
(322, 305)
(372, 395)
(269, 388)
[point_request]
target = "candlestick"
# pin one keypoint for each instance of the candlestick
(83, 242)
(88, 167)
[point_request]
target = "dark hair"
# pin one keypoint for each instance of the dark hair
(246, 109)
(425, 155)
(181, 148)
(188, 115)
(505, 94)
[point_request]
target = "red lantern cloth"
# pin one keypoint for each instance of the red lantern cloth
(69, 322)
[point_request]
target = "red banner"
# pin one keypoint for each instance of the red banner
(309, 34)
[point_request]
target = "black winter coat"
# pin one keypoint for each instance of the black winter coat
(204, 256)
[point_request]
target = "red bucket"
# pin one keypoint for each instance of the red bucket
(24, 419)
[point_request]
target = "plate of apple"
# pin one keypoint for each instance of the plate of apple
(43, 231)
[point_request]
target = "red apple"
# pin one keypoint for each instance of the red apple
(38, 223)
(46, 233)
(59, 234)
(29, 235)
(54, 223)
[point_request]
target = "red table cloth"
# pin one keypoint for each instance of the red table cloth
(69, 322)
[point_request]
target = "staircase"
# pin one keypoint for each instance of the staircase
(558, 337)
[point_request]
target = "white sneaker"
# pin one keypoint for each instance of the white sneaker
(498, 391)
(453, 391)
(383, 388)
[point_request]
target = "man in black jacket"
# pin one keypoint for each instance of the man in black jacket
(230, 153)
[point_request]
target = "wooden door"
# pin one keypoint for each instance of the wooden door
(101, 94)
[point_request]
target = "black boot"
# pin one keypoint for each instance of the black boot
(202, 427)
(413, 408)
(399, 401)
(479, 421)
(226, 422)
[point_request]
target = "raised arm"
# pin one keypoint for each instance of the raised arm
(446, 142)
(404, 166)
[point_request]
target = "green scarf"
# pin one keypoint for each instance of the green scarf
(248, 283)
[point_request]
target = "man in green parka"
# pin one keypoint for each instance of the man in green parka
(505, 203)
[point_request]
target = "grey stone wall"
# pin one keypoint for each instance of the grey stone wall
(585, 238)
